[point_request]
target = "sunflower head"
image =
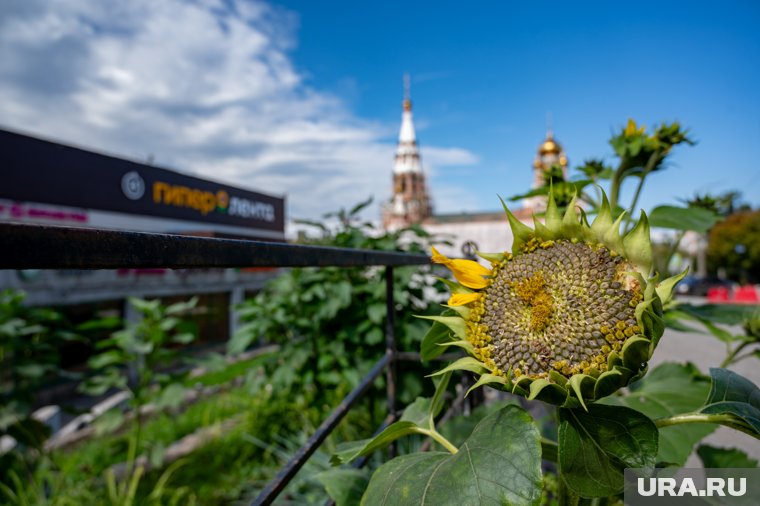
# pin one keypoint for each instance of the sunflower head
(569, 316)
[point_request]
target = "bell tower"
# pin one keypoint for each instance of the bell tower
(550, 156)
(410, 202)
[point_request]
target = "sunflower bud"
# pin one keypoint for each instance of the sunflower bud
(569, 316)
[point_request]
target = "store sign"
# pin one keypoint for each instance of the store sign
(40, 171)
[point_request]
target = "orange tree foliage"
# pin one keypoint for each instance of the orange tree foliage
(735, 246)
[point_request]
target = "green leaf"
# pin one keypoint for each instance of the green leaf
(417, 412)
(727, 314)
(145, 306)
(157, 454)
(431, 342)
(108, 323)
(436, 404)
(181, 307)
(721, 333)
(458, 428)
(242, 338)
(344, 486)
(361, 205)
(665, 287)
(596, 446)
(184, 338)
(667, 390)
(454, 286)
(543, 190)
(129, 342)
(735, 395)
(168, 324)
(105, 359)
(521, 232)
(171, 396)
(374, 336)
(454, 323)
(637, 243)
(463, 364)
(490, 257)
(101, 383)
(376, 312)
(11, 413)
(683, 218)
(31, 370)
(346, 452)
(724, 457)
(108, 422)
(674, 320)
(500, 463)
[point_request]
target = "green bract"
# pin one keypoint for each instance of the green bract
(569, 316)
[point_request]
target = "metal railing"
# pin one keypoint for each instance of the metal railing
(48, 247)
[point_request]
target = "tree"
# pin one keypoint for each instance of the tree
(735, 246)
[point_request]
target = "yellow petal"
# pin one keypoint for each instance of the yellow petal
(460, 299)
(438, 258)
(630, 128)
(467, 272)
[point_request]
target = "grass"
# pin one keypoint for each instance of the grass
(240, 462)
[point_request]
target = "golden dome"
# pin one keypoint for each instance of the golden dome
(549, 147)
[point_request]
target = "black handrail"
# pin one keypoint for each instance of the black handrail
(387, 363)
(51, 247)
(283, 477)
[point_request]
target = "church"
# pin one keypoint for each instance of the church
(411, 202)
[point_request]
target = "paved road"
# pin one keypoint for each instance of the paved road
(706, 351)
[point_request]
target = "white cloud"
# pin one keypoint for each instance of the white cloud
(448, 199)
(441, 157)
(206, 87)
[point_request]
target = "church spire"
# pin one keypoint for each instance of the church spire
(407, 93)
(407, 152)
(410, 202)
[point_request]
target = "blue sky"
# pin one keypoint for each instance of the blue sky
(303, 97)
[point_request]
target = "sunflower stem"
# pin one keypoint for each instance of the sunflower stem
(617, 179)
(651, 163)
(731, 357)
(549, 450)
(566, 496)
(721, 419)
(742, 357)
(438, 437)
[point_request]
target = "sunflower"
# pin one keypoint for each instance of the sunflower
(570, 315)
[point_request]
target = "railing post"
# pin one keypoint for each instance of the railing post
(390, 350)
(283, 477)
